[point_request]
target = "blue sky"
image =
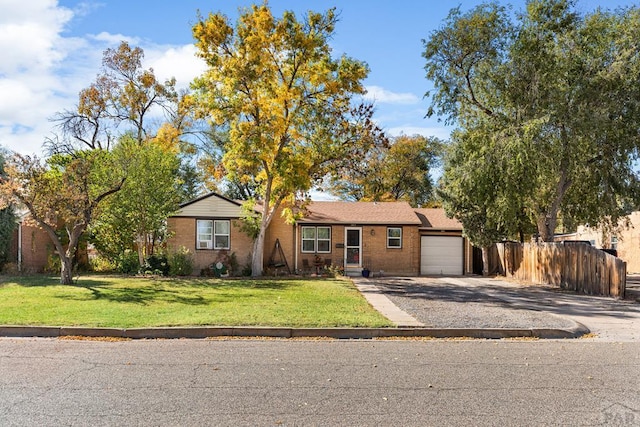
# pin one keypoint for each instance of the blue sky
(53, 48)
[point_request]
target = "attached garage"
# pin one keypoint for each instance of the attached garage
(441, 255)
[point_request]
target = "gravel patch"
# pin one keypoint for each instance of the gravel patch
(444, 305)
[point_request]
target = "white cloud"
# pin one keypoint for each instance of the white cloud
(383, 96)
(29, 32)
(113, 39)
(42, 71)
(180, 62)
(439, 132)
(32, 49)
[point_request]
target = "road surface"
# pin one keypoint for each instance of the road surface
(50, 382)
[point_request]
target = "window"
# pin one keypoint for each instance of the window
(221, 234)
(205, 234)
(316, 239)
(213, 234)
(394, 237)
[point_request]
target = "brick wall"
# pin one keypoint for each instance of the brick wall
(284, 233)
(183, 233)
(36, 246)
(393, 261)
(376, 256)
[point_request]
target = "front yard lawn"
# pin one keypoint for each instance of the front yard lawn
(125, 302)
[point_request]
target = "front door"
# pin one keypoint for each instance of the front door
(353, 247)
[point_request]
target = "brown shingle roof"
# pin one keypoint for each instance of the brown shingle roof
(437, 218)
(361, 213)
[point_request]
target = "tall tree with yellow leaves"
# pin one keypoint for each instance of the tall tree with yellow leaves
(288, 104)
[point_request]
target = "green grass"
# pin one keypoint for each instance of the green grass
(124, 302)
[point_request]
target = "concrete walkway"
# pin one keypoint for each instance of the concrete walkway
(380, 302)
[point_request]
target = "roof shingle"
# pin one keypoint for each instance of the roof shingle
(437, 218)
(338, 212)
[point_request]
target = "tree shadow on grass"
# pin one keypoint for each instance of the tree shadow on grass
(229, 283)
(147, 290)
(172, 290)
(43, 280)
(145, 296)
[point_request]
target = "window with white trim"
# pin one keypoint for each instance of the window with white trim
(394, 237)
(316, 239)
(221, 234)
(213, 234)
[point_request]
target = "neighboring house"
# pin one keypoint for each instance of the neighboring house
(30, 246)
(390, 238)
(32, 250)
(625, 240)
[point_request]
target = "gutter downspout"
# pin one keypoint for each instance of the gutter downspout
(295, 247)
(20, 246)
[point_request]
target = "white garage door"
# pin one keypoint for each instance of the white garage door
(441, 255)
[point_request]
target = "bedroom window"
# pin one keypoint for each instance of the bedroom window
(213, 234)
(316, 239)
(394, 237)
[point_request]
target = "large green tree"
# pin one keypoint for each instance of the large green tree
(135, 217)
(287, 103)
(557, 94)
(401, 171)
(481, 199)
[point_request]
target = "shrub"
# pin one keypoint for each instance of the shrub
(181, 262)
(127, 263)
(53, 264)
(102, 264)
(156, 264)
(234, 266)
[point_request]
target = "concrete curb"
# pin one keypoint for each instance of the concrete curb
(267, 332)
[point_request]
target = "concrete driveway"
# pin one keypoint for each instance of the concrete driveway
(478, 302)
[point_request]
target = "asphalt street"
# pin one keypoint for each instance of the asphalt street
(51, 382)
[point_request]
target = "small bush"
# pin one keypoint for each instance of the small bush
(156, 264)
(247, 270)
(127, 263)
(54, 265)
(101, 264)
(181, 262)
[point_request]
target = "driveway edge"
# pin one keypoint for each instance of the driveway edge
(275, 332)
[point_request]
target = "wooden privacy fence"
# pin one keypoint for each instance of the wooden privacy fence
(576, 266)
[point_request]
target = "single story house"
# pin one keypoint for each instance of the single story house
(32, 251)
(30, 246)
(386, 238)
(625, 240)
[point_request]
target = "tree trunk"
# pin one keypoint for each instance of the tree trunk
(485, 260)
(141, 250)
(257, 259)
(66, 257)
(66, 269)
(547, 226)
(548, 217)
